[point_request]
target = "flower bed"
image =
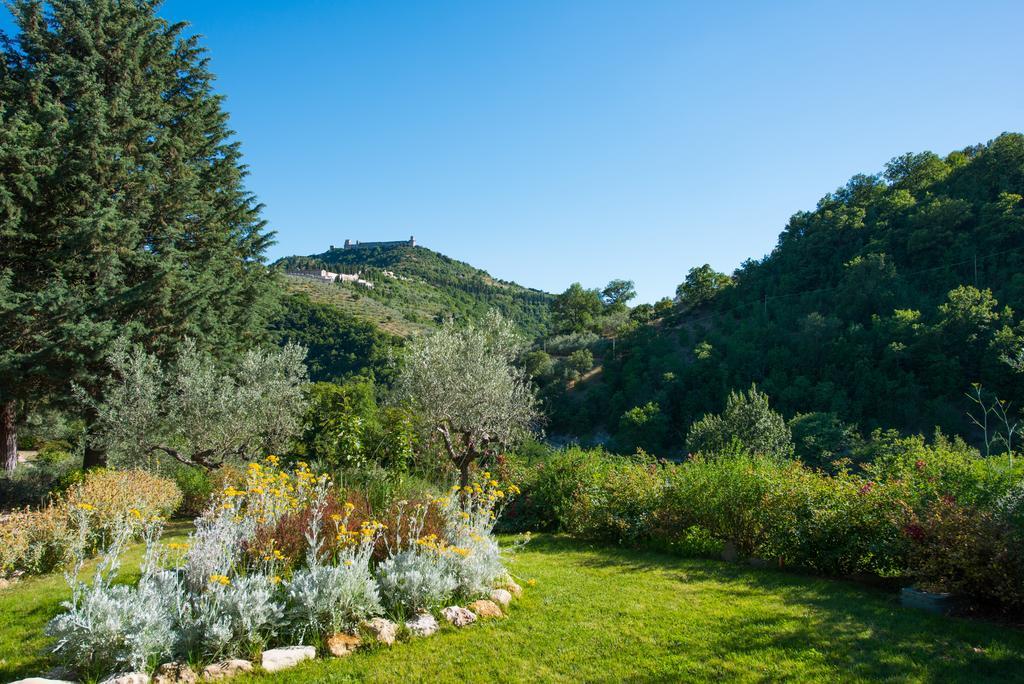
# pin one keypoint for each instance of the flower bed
(242, 590)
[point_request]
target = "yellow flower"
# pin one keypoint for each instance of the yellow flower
(532, 582)
(348, 562)
(335, 517)
(220, 579)
(86, 507)
(275, 580)
(135, 513)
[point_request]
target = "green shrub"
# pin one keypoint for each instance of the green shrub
(549, 486)
(937, 513)
(943, 468)
(969, 552)
(724, 496)
(620, 504)
(837, 525)
(822, 438)
(35, 541)
(343, 427)
(37, 481)
(197, 488)
(747, 419)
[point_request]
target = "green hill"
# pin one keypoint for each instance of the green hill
(414, 288)
(881, 306)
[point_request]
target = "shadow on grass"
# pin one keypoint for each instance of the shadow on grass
(861, 631)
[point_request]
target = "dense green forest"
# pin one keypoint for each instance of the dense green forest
(338, 345)
(881, 307)
(422, 289)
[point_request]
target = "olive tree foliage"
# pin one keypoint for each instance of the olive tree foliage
(463, 384)
(749, 422)
(195, 412)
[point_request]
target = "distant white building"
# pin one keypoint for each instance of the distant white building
(330, 277)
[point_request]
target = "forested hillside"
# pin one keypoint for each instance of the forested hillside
(882, 306)
(421, 289)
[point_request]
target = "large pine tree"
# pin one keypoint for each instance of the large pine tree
(122, 204)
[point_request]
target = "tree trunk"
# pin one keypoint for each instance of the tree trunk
(93, 458)
(8, 437)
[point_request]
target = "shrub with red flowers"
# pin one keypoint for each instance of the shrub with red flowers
(967, 551)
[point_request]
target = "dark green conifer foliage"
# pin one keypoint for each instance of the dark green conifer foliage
(122, 206)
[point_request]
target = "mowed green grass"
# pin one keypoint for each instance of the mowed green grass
(599, 614)
(608, 615)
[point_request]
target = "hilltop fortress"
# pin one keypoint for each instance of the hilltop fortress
(356, 244)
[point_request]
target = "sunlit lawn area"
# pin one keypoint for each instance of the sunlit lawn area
(600, 614)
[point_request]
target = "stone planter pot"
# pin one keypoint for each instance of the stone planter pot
(933, 602)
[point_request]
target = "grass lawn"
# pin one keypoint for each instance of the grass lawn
(599, 614)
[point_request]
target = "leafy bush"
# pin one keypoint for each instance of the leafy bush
(343, 427)
(943, 468)
(967, 551)
(747, 420)
(822, 438)
(91, 513)
(35, 541)
(114, 494)
(550, 483)
(937, 513)
(620, 504)
(724, 496)
(197, 488)
(36, 482)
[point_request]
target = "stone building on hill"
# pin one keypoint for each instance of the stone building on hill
(356, 244)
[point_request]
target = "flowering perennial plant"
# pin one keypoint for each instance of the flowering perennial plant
(223, 595)
(470, 516)
(110, 626)
(335, 593)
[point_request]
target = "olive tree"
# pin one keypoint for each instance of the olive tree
(465, 389)
(194, 412)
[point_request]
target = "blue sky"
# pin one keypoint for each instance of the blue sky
(585, 140)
